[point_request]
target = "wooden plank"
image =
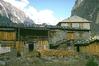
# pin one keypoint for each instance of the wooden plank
(19, 45)
(7, 35)
(91, 49)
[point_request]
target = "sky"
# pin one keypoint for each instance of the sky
(45, 11)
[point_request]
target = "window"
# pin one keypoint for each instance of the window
(64, 25)
(86, 26)
(75, 25)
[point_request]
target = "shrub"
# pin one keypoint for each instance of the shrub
(91, 62)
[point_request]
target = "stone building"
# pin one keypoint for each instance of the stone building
(69, 30)
(77, 28)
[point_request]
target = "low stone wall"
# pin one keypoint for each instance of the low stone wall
(58, 53)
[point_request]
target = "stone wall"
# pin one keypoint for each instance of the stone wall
(57, 36)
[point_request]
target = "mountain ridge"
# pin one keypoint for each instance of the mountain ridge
(88, 9)
(13, 13)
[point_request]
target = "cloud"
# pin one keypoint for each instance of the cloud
(43, 16)
(38, 16)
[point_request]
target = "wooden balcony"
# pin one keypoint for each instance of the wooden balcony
(26, 38)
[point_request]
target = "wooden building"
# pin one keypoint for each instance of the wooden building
(74, 32)
(36, 38)
(69, 30)
(78, 31)
(77, 28)
(89, 47)
(7, 36)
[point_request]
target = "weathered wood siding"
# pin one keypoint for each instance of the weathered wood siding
(41, 45)
(7, 35)
(10, 44)
(91, 49)
(19, 45)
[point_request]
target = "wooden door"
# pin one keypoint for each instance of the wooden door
(70, 35)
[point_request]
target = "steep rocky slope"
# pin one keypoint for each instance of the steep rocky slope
(12, 13)
(88, 9)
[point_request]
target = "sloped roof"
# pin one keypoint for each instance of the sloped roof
(84, 42)
(75, 19)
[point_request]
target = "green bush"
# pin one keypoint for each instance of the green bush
(91, 62)
(34, 54)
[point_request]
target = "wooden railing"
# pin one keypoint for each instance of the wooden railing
(33, 37)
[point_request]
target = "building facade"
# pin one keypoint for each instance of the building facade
(74, 33)
(77, 28)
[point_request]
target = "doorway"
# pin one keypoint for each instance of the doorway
(78, 49)
(31, 46)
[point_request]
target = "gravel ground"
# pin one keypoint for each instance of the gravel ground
(79, 60)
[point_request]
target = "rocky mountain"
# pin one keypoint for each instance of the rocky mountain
(12, 13)
(88, 9)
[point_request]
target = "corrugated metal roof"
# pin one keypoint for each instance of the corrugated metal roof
(75, 19)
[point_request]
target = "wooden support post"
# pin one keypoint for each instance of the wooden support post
(18, 34)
